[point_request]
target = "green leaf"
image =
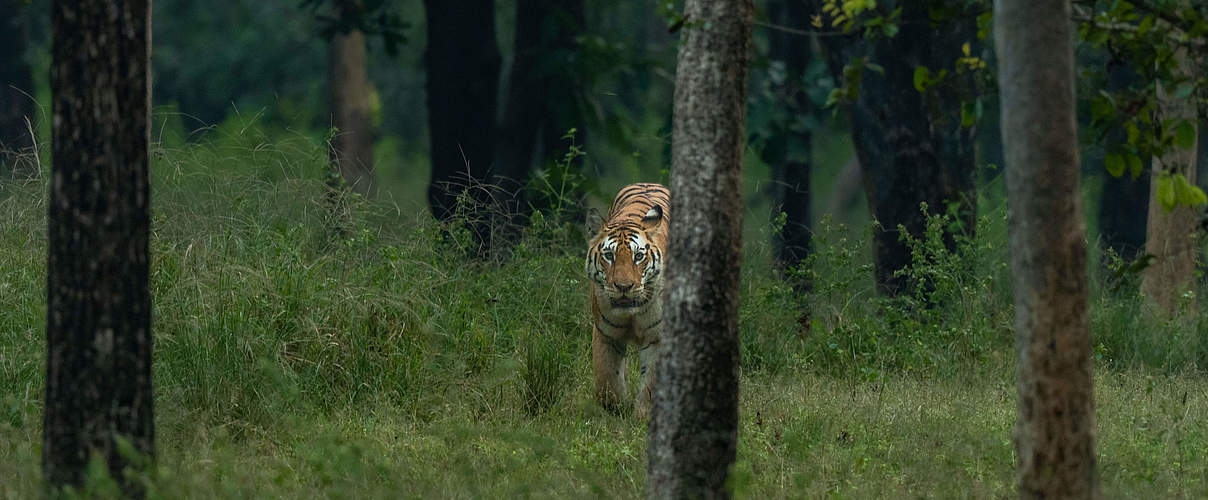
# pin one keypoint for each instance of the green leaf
(984, 24)
(1102, 109)
(1134, 165)
(890, 30)
(1184, 135)
(1145, 26)
(1133, 132)
(1184, 90)
(968, 113)
(1165, 192)
(921, 76)
(1114, 163)
(1187, 194)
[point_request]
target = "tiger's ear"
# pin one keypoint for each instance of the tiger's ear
(593, 223)
(652, 218)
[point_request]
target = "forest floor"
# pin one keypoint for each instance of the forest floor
(387, 361)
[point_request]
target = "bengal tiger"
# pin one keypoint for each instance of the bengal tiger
(625, 259)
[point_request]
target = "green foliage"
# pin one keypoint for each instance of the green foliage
(1144, 38)
(1174, 190)
(372, 17)
(560, 189)
(853, 15)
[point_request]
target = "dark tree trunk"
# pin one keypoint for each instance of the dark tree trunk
(16, 86)
(911, 145)
(1122, 212)
(463, 79)
(694, 421)
(98, 328)
(1124, 202)
(541, 100)
(1055, 425)
(352, 147)
(790, 153)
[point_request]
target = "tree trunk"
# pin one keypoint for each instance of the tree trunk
(1171, 235)
(98, 328)
(541, 101)
(1122, 214)
(1055, 426)
(911, 145)
(15, 105)
(352, 147)
(463, 78)
(694, 422)
(1124, 200)
(790, 153)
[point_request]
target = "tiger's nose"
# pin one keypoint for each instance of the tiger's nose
(624, 287)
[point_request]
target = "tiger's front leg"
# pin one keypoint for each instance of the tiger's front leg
(647, 357)
(608, 365)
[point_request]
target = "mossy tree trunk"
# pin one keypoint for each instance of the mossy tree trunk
(348, 81)
(462, 60)
(15, 105)
(694, 421)
(1055, 423)
(98, 328)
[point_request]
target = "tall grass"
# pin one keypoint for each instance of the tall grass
(385, 359)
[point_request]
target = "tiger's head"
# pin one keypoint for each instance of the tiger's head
(625, 258)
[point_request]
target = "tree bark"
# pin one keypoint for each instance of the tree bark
(1055, 426)
(541, 101)
(463, 78)
(694, 422)
(16, 86)
(352, 147)
(790, 153)
(98, 328)
(1171, 235)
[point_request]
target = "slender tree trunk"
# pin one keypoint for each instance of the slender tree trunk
(694, 422)
(541, 101)
(1055, 426)
(15, 105)
(463, 79)
(790, 158)
(1171, 235)
(98, 328)
(352, 147)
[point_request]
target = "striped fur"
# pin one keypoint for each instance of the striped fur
(624, 265)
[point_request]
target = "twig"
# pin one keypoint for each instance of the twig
(796, 31)
(1081, 15)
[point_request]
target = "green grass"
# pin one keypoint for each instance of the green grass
(290, 362)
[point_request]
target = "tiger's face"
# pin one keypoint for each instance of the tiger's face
(625, 260)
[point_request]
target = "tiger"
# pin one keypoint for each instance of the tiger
(624, 267)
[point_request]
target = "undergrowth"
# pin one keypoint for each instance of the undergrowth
(292, 358)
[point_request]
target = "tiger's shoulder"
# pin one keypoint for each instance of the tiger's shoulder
(636, 201)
